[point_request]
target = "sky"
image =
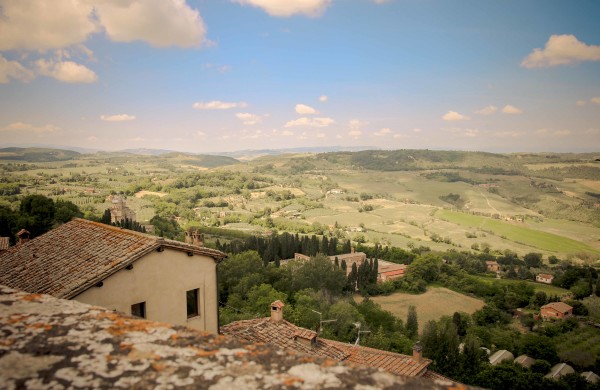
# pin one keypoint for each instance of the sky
(209, 76)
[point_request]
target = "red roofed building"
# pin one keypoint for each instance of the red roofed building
(123, 270)
(277, 331)
(556, 310)
(544, 278)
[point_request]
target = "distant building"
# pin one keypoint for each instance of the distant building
(559, 370)
(492, 266)
(501, 356)
(119, 210)
(277, 331)
(544, 278)
(123, 270)
(555, 310)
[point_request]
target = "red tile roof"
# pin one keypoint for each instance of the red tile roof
(75, 256)
(284, 334)
(4, 243)
(560, 307)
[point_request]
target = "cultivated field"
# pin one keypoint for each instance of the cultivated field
(547, 288)
(432, 305)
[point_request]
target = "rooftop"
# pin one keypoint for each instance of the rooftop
(558, 306)
(284, 335)
(54, 343)
(75, 256)
(4, 243)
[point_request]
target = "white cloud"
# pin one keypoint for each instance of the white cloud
(67, 71)
(27, 127)
(321, 135)
(381, 1)
(507, 134)
(13, 70)
(595, 100)
(200, 134)
(249, 119)
(400, 135)
(41, 25)
(303, 109)
(553, 133)
(383, 132)
(286, 8)
(253, 134)
(454, 116)
(323, 98)
(92, 138)
(355, 133)
(488, 110)
(460, 132)
(561, 50)
(160, 23)
(417, 130)
(117, 118)
(581, 102)
(287, 133)
(310, 122)
(356, 124)
(218, 105)
(508, 109)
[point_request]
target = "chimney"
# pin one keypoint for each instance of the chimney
(418, 352)
(277, 311)
(23, 236)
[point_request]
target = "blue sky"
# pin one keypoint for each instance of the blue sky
(224, 75)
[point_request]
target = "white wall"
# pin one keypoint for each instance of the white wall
(161, 279)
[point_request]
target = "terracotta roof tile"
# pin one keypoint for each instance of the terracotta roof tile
(282, 334)
(75, 256)
(4, 243)
(558, 306)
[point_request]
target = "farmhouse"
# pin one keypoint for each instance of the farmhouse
(492, 266)
(119, 210)
(544, 278)
(279, 332)
(556, 310)
(123, 270)
(590, 376)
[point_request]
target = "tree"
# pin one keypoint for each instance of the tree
(533, 260)
(66, 211)
(36, 214)
(412, 325)
(8, 223)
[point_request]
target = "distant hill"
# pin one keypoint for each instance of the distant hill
(37, 154)
(148, 152)
(250, 154)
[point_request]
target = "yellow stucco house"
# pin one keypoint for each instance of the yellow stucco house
(119, 269)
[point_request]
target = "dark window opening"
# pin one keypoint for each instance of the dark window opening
(192, 303)
(139, 310)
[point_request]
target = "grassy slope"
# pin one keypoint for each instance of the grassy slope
(432, 305)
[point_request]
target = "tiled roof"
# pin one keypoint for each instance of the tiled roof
(561, 307)
(590, 376)
(395, 363)
(282, 334)
(75, 256)
(54, 343)
(546, 276)
(4, 243)
(278, 304)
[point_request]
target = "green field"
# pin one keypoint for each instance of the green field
(547, 288)
(431, 305)
(521, 234)
(580, 346)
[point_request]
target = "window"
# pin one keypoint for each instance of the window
(192, 302)
(139, 310)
